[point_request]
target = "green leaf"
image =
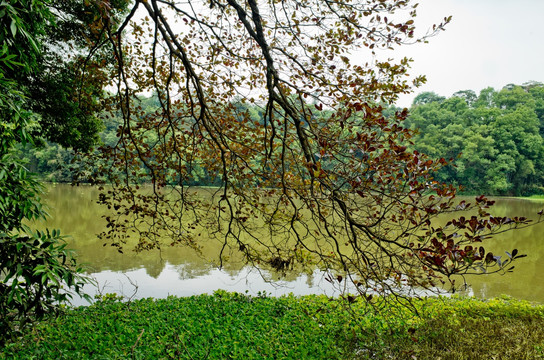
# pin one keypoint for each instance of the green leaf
(13, 28)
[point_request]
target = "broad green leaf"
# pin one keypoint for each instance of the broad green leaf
(13, 28)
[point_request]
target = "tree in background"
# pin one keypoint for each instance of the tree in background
(321, 178)
(427, 98)
(496, 138)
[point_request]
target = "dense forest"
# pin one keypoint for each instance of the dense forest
(494, 140)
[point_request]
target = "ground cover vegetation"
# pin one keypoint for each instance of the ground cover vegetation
(323, 166)
(236, 326)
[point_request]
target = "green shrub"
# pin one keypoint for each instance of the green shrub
(34, 270)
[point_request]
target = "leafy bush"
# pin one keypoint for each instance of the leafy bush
(34, 269)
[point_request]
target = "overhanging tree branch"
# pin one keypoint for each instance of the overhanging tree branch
(326, 183)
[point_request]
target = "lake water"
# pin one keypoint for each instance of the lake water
(181, 272)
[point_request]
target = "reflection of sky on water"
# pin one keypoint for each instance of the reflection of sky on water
(172, 282)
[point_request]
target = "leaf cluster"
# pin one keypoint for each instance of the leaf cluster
(38, 273)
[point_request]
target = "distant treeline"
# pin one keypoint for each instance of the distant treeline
(495, 140)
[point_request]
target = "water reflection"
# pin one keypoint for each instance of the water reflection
(182, 272)
(174, 280)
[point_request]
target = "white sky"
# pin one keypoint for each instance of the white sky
(488, 43)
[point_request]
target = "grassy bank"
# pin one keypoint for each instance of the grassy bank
(534, 197)
(234, 326)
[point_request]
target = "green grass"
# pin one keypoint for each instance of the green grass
(534, 197)
(235, 326)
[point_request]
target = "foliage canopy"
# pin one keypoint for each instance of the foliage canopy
(496, 138)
